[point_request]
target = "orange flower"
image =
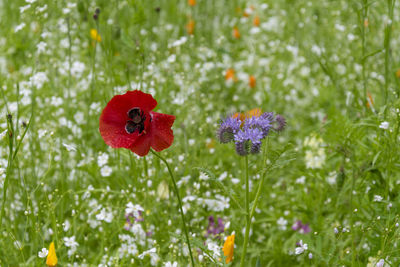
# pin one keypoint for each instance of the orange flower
(192, 2)
(95, 35)
(256, 21)
(51, 259)
(255, 112)
(252, 81)
(366, 23)
(398, 73)
(228, 248)
(190, 27)
(236, 33)
(230, 75)
(370, 101)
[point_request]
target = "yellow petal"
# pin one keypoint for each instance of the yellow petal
(228, 247)
(51, 260)
(95, 35)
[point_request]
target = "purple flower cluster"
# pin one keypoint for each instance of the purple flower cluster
(248, 134)
(215, 229)
(227, 129)
(130, 219)
(302, 228)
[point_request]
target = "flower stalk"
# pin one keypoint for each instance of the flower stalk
(179, 201)
(248, 219)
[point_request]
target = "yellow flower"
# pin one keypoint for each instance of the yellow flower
(95, 35)
(228, 248)
(51, 260)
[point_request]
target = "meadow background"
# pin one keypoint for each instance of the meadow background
(329, 67)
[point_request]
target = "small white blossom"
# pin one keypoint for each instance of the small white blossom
(384, 125)
(41, 47)
(70, 242)
(134, 209)
(102, 159)
(380, 263)
(19, 27)
(303, 247)
(43, 253)
(282, 223)
(171, 264)
(105, 171)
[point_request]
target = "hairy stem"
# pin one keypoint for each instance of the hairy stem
(246, 235)
(179, 201)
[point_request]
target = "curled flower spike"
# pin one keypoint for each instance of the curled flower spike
(51, 260)
(129, 122)
(228, 248)
(227, 130)
(281, 123)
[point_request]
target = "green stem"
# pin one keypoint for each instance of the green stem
(10, 134)
(248, 222)
(388, 36)
(260, 185)
(364, 45)
(180, 203)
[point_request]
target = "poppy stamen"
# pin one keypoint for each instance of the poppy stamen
(136, 122)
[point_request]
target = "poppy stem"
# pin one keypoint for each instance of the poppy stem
(180, 203)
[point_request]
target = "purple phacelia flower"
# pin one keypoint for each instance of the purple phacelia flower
(248, 132)
(248, 140)
(280, 122)
(300, 227)
(263, 123)
(228, 129)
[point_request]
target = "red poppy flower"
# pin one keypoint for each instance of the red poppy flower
(129, 122)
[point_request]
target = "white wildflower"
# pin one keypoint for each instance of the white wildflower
(43, 253)
(105, 171)
(384, 125)
(282, 223)
(378, 198)
(19, 27)
(134, 209)
(303, 247)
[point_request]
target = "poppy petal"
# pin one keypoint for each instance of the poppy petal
(162, 134)
(114, 117)
(116, 136)
(144, 101)
(142, 145)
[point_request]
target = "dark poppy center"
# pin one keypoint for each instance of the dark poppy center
(136, 121)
